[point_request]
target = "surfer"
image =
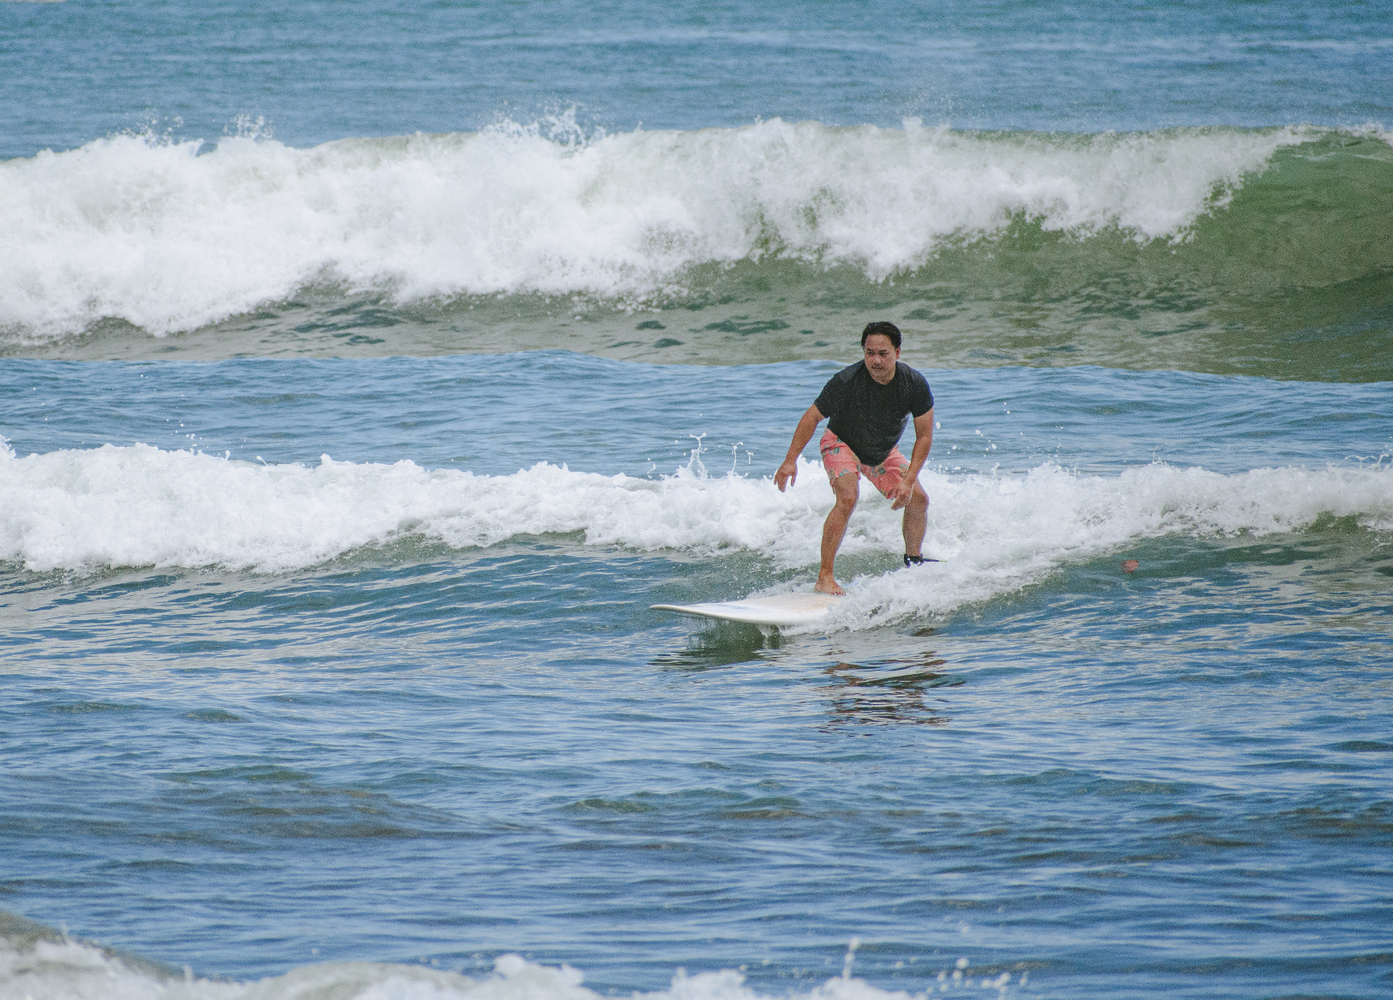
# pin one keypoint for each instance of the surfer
(865, 407)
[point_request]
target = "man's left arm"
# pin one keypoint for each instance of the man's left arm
(923, 441)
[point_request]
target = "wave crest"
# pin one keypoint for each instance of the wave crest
(140, 506)
(171, 236)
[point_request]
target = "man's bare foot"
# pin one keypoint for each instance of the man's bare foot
(829, 586)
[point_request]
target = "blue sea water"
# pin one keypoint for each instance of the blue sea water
(368, 369)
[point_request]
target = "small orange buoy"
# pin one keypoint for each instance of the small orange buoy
(1130, 565)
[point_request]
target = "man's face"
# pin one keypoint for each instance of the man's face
(881, 356)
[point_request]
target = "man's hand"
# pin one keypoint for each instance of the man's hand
(903, 490)
(802, 434)
(787, 474)
(923, 441)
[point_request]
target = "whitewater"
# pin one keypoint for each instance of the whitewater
(139, 506)
(94, 974)
(1257, 251)
(173, 235)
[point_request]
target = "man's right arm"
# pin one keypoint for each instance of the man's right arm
(802, 434)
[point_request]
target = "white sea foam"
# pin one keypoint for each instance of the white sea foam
(155, 233)
(141, 506)
(999, 534)
(70, 970)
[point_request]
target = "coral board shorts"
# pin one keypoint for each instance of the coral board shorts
(838, 459)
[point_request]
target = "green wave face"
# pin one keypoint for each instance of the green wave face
(1292, 278)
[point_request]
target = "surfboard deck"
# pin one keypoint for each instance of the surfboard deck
(776, 609)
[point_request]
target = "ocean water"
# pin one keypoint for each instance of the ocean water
(368, 369)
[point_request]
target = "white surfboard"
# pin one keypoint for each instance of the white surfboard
(776, 609)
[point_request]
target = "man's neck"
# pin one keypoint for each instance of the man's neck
(882, 381)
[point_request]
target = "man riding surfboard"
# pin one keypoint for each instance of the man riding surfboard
(866, 407)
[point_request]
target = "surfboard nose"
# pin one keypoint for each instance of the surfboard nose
(771, 609)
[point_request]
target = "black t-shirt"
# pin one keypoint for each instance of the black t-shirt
(868, 416)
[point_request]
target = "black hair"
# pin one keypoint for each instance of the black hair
(885, 330)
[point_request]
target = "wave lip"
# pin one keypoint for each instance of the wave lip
(169, 236)
(140, 506)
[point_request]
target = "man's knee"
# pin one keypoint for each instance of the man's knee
(847, 492)
(918, 499)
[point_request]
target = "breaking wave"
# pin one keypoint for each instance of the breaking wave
(171, 236)
(86, 509)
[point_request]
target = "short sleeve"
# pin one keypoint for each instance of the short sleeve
(921, 399)
(833, 396)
